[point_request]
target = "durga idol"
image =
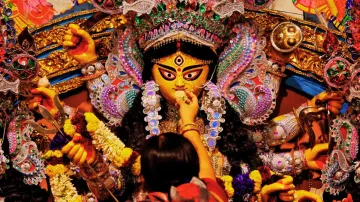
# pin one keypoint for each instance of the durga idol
(204, 47)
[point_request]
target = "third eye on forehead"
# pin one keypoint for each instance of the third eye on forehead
(185, 69)
(179, 60)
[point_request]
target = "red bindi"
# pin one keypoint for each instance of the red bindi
(179, 69)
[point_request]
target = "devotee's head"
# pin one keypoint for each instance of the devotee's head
(168, 160)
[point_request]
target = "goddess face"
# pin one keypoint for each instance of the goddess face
(179, 72)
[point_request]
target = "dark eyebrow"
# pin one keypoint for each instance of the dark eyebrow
(192, 67)
(167, 67)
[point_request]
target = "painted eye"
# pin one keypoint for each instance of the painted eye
(167, 74)
(190, 76)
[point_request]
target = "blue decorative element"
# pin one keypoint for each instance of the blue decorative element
(216, 115)
(214, 124)
(151, 103)
(250, 70)
(135, 87)
(152, 122)
(344, 108)
(65, 77)
(309, 86)
(155, 131)
(105, 78)
(236, 83)
(214, 107)
(213, 133)
(211, 142)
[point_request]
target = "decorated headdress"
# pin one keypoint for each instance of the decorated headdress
(159, 22)
(153, 23)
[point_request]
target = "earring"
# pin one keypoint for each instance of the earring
(151, 103)
(214, 107)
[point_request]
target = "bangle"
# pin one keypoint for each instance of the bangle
(99, 167)
(298, 120)
(92, 70)
(293, 162)
(189, 127)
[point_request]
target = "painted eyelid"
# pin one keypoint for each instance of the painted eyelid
(168, 68)
(163, 72)
(198, 72)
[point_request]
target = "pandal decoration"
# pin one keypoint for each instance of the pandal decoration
(25, 156)
(341, 163)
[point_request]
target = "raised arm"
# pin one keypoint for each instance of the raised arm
(188, 109)
(285, 127)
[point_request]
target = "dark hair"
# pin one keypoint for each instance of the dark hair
(168, 160)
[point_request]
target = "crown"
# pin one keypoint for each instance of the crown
(159, 22)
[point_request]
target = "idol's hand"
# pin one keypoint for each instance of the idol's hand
(334, 101)
(284, 186)
(80, 45)
(188, 107)
(45, 97)
(312, 153)
(347, 199)
(80, 150)
(302, 195)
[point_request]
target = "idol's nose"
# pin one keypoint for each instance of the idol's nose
(179, 83)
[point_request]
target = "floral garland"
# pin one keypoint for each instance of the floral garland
(227, 179)
(69, 129)
(103, 139)
(61, 186)
(63, 190)
(58, 169)
(136, 167)
(256, 177)
(113, 148)
(52, 153)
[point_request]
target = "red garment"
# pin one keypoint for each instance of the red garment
(215, 188)
(192, 192)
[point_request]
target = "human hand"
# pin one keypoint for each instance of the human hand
(301, 195)
(80, 150)
(188, 108)
(333, 99)
(312, 153)
(284, 186)
(45, 97)
(80, 45)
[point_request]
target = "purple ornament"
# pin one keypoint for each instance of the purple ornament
(59, 141)
(242, 184)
